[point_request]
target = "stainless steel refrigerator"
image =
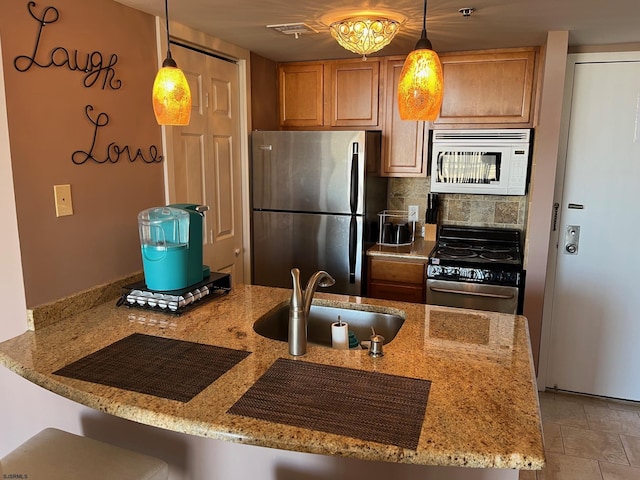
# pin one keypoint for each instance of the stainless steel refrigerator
(316, 196)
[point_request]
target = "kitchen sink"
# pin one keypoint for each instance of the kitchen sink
(275, 324)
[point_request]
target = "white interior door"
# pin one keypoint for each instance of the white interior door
(205, 166)
(595, 330)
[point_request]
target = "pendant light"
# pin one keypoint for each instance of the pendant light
(171, 92)
(421, 81)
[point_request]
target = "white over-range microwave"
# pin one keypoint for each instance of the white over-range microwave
(491, 162)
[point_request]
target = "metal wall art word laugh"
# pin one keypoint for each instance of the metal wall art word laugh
(96, 68)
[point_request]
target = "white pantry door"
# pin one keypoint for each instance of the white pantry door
(594, 344)
(205, 166)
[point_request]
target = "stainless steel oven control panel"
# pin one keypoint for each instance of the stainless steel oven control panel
(475, 275)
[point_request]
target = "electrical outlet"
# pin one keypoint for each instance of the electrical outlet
(413, 213)
(62, 194)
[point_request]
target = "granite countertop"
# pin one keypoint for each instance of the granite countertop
(418, 251)
(482, 408)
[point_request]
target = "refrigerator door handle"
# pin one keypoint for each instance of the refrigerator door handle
(353, 248)
(354, 179)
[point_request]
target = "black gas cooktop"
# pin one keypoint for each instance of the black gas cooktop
(477, 255)
(477, 246)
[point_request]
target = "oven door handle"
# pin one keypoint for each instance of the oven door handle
(477, 294)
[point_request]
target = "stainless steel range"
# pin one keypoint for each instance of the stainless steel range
(478, 268)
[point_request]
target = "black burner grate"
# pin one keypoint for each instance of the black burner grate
(448, 252)
(496, 256)
(477, 247)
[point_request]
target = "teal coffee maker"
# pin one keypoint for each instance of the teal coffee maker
(171, 244)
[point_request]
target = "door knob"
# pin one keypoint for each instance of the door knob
(237, 252)
(571, 248)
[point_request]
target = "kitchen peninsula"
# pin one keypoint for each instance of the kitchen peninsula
(482, 408)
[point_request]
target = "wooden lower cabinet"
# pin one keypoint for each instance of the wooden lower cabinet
(401, 280)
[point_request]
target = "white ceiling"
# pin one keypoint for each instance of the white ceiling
(494, 24)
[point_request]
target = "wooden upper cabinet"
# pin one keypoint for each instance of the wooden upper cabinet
(354, 93)
(301, 90)
(404, 141)
(333, 93)
(490, 88)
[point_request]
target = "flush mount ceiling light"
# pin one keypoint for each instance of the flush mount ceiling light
(421, 83)
(171, 92)
(364, 35)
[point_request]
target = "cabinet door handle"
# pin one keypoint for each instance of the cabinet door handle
(354, 179)
(353, 248)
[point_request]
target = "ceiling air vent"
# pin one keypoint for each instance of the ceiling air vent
(295, 29)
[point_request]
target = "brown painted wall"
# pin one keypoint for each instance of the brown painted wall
(47, 123)
(264, 89)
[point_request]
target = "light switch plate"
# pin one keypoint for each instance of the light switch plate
(62, 195)
(412, 213)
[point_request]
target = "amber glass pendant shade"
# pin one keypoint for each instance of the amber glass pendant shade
(171, 94)
(421, 86)
(171, 97)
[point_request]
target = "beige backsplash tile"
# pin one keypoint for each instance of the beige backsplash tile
(502, 211)
(506, 212)
(409, 187)
(455, 210)
(395, 203)
(482, 212)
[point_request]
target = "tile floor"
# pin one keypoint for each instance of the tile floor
(588, 438)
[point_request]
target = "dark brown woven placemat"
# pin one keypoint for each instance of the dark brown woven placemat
(369, 406)
(164, 367)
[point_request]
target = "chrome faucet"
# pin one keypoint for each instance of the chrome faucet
(300, 306)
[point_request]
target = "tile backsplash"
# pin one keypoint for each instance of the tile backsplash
(500, 211)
